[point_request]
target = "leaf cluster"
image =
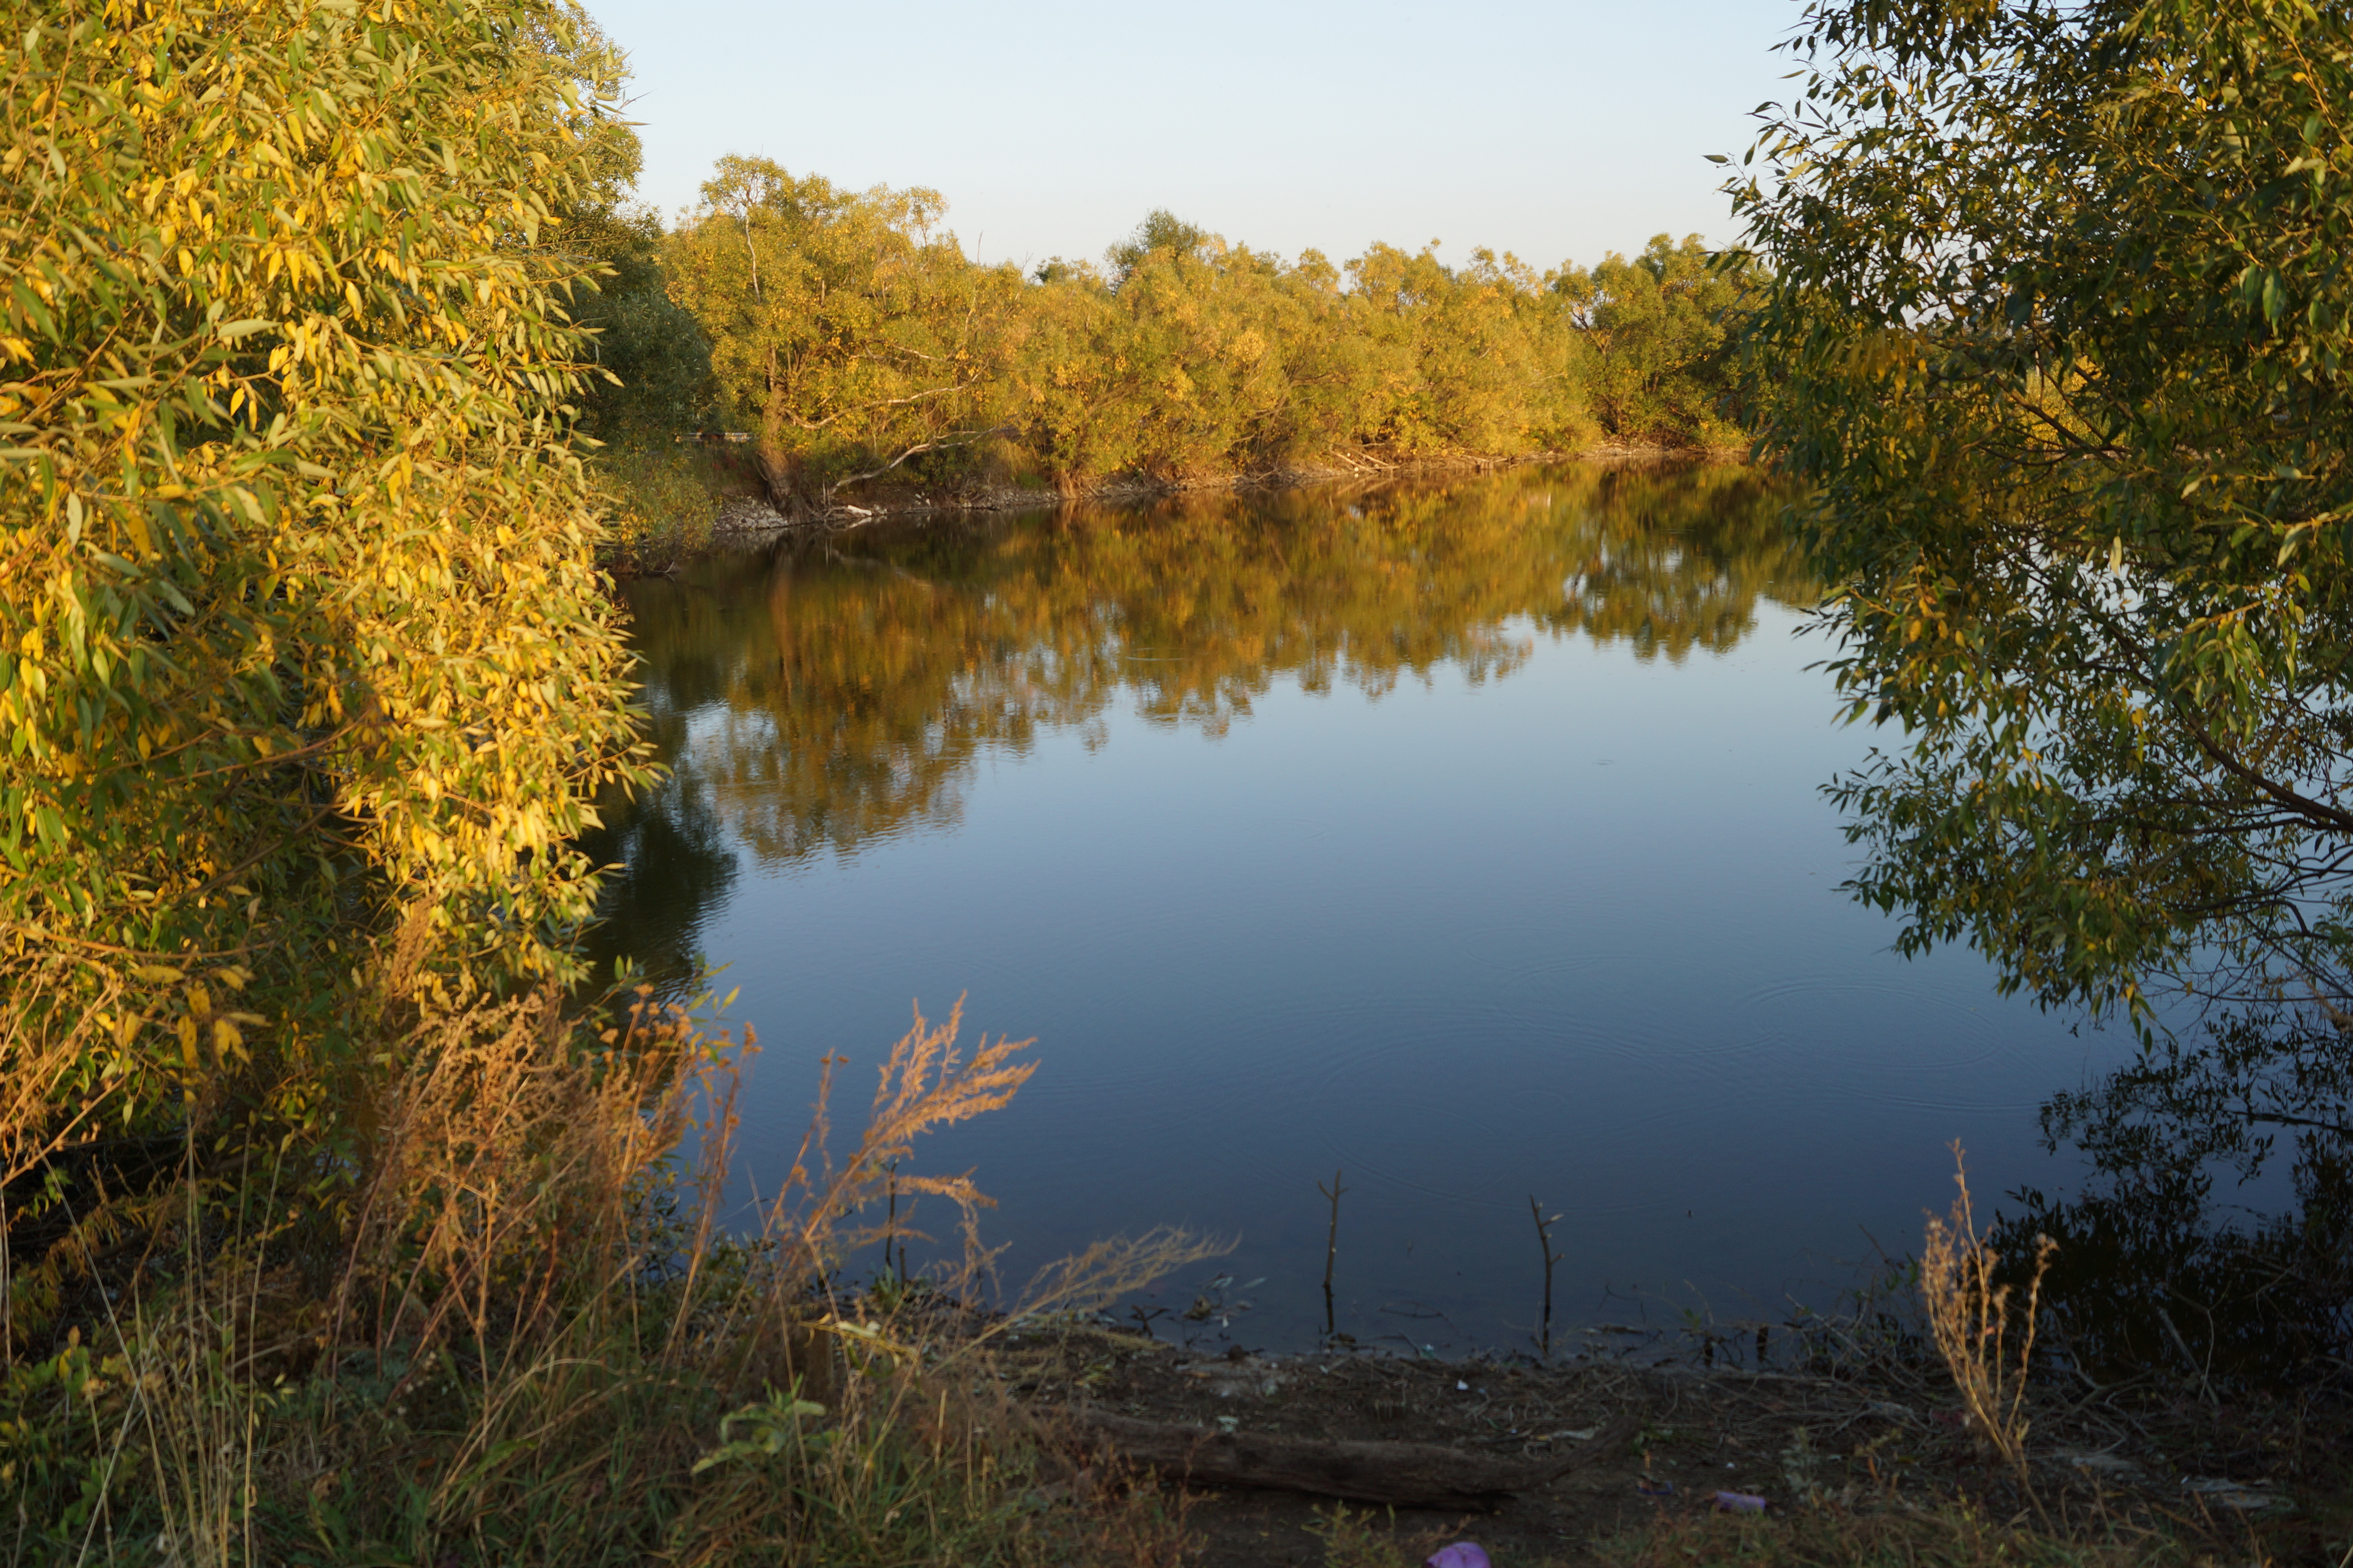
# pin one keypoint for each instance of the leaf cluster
(2056, 336)
(299, 621)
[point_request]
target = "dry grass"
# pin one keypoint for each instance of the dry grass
(1987, 1346)
(534, 1343)
(505, 1171)
(924, 1084)
(199, 1416)
(1110, 1270)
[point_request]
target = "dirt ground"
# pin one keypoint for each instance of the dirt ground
(2269, 1478)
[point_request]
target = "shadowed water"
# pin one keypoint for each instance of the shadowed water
(1463, 836)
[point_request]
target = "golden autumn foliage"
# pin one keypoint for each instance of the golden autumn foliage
(846, 328)
(299, 621)
(851, 334)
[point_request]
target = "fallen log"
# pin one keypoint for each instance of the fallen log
(1403, 1474)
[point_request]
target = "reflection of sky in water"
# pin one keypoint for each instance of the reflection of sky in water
(1568, 930)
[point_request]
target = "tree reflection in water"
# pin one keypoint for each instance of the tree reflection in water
(2155, 1271)
(823, 695)
(667, 864)
(826, 693)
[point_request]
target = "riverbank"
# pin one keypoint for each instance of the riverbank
(732, 511)
(1338, 1457)
(753, 515)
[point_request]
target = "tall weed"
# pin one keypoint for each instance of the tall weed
(541, 1344)
(1987, 1348)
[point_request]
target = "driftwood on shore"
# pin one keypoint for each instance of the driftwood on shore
(1403, 1474)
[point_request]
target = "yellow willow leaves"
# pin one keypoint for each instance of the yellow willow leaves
(299, 618)
(853, 333)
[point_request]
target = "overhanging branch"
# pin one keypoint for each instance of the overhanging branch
(958, 438)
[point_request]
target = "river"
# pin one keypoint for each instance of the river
(1463, 836)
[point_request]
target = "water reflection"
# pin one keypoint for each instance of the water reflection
(1465, 835)
(857, 680)
(2165, 1260)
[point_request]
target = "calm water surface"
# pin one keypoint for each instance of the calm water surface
(1461, 836)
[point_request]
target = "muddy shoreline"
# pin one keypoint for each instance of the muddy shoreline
(1641, 1443)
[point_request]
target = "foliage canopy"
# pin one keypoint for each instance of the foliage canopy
(839, 320)
(850, 329)
(300, 636)
(2057, 336)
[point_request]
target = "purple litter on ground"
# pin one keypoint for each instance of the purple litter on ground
(1461, 1555)
(1740, 1502)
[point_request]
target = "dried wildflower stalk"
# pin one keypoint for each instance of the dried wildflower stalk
(1970, 1315)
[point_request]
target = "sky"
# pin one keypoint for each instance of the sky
(1558, 132)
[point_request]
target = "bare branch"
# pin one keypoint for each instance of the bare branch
(960, 438)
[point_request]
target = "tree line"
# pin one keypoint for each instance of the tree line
(849, 332)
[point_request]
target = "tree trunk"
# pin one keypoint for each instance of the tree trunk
(785, 479)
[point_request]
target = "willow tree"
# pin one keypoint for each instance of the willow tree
(2057, 336)
(1654, 332)
(301, 637)
(844, 322)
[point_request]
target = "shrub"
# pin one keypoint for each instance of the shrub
(300, 639)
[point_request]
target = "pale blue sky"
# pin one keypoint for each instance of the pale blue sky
(1555, 131)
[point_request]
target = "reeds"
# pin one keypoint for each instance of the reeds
(924, 1084)
(505, 1165)
(1986, 1346)
(536, 1342)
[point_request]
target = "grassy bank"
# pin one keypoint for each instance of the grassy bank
(565, 1359)
(578, 1363)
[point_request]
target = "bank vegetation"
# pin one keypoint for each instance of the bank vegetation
(347, 1218)
(849, 339)
(349, 1215)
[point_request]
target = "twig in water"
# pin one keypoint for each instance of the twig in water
(1544, 1245)
(1331, 1252)
(891, 1223)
